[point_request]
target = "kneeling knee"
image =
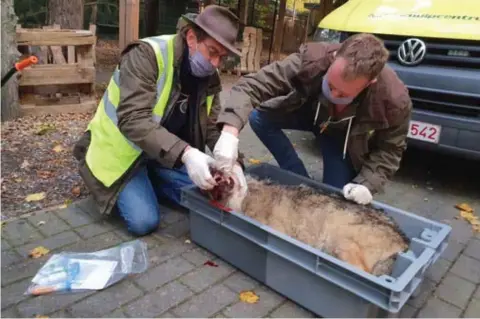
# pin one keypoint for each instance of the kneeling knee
(255, 119)
(144, 226)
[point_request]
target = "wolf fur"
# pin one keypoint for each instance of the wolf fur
(359, 235)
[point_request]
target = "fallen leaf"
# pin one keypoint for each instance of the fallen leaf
(2, 224)
(38, 252)
(25, 164)
(249, 297)
(45, 128)
(210, 263)
(471, 218)
(44, 174)
(464, 207)
(76, 191)
(254, 161)
(67, 202)
(35, 197)
(18, 180)
(40, 316)
(58, 148)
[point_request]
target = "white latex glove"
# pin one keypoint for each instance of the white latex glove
(197, 164)
(357, 193)
(225, 151)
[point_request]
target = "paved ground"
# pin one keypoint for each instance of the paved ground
(178, 284)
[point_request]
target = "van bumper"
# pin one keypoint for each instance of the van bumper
(459, 136)
(447, 97)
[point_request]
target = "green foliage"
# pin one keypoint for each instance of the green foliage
(31, 13)
(298, 5)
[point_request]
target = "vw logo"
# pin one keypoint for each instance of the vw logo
(411, 51)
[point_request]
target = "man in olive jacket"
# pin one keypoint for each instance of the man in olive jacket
(345, 94)
(151, 128)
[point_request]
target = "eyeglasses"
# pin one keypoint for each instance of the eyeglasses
(214, 54)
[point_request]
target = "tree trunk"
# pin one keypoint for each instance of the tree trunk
(67, 13)
(152, 17)
(10, 107)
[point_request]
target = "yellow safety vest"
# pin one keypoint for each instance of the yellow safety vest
(110, 153)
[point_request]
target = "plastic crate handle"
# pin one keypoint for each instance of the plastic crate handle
(247, 235)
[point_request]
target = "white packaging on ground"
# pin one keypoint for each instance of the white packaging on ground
(71, 271)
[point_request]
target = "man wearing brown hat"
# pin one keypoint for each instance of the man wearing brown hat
(149, 134)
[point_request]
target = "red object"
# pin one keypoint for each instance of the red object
(224, 186)
(210, 263)
(220, 206)
(220, 192)
(26, 62)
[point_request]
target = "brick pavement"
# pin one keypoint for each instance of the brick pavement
(177, 284)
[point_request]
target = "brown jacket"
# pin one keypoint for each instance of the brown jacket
(284, 86)
(138, 77)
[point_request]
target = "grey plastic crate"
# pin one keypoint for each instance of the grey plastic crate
(319, 282)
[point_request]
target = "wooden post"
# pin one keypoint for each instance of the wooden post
(258, 50)
(243, 11)
(305, 36)
(129, 22)
(93, 29)
(278, 32)
(251, 50)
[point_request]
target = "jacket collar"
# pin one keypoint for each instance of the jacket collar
(179, 48)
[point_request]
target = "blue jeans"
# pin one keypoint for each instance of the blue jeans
(268, 127)
(138, 202)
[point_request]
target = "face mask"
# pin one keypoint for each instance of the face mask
(328, 94)
(200, 66)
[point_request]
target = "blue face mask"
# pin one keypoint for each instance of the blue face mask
(328, 94)
(200, 66)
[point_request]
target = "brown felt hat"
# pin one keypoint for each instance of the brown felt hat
(219, 23)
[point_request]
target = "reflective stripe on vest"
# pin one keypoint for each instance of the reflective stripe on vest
(209, 104)
(110, 153)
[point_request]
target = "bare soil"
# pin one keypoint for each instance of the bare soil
(36, 152)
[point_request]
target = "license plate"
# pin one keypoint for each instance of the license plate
(424, 131)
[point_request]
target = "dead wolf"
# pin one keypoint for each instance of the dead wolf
(359, 235)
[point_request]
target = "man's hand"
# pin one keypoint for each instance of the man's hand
(226, 149)
(358, 193)
(197, 164)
